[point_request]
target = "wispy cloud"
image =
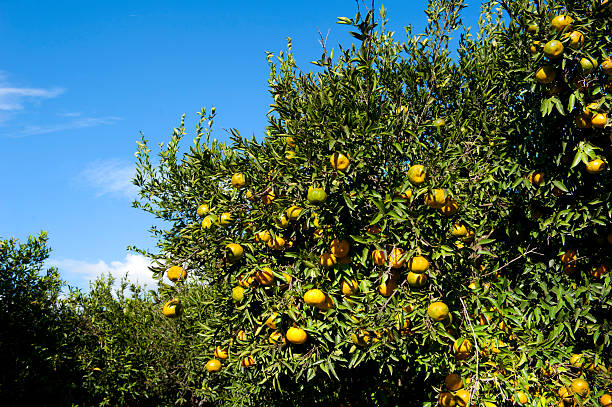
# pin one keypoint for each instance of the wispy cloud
(110, 177)
(135, 266)
(78, 123)
(14, 98)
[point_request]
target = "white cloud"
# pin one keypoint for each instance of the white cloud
(135, 265)
(110, 177)
(13, 98)
(78, 123)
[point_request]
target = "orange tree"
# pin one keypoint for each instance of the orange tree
(410, 217)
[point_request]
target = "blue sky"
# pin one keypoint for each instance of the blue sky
(79, 81)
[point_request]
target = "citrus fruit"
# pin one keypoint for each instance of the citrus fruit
(458, 230)
(314, 297)
(416, 280)
(248, 361)
(208, 221)
(439, 123)
(588, 64)
(213, 365)
(234, 252)
(225, 219)
(599, 120)
(438, 311)
(220, 353)
(580, 387)
(576, 361)
(605, 400)
(453, 382)
(561, 22)
(576, 39)
(265, 276)
(203, 210)
(606, 66)
(446, 399)
(172, 308)
(238, 180)
(419, 264)
(176, 273)
(276, 337)
(316, 195)
(595, 166)
(293, 212)
(396, 258)
(339, 161)
(328, 260)
(296, 335)
(553, 49)
(340, 248)
(416, 174)
(546, 74)
(462, 397)
(450, 207)
(237, 293)
(536, 178)
(349, 287)
(387, 288)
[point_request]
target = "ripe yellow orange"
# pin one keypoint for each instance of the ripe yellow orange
(221, 353)
(203, 210)
(290, 155)
(532, 28)
(588, 64)
(446, 399)
(387, 288)
(276, 243)
(172, 308)
(268, 197)
(208, 221)
(605, 400)
(561, 22)
(416, 280)
(564, 393)
(580, 387)
(349, 287)
(419, 264)
(576, 361)
(276, 337)
(536, 178)
(339, 161)
(290, 141)
(458, 230)
(450, 207)
(263, 236)
(296, 335)
(271, 320)
(416, 174)
(595, 166)
(327, 304)
(234, 252)
(245, 281)
(379, 257)
(462, 345)
(238, 180)
(453, 382)
(241, 335)
(282, 222)
(225, 219)
(293, 212)
(213, 365)
(599, 120)
(238, 293)
(176, 273)
(546, 74)
(438, 311)
(521, 398)
(314, 297)
(462, 397)
(340, 248)
(396, 258)
(576, 39)
(328, 260)
(534, 48)
(606, 66)
(436, 198)
(265, 276)
(553, 49)
(248, 361)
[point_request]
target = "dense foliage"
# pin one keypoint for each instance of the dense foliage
(399, 183)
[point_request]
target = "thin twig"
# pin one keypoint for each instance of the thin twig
(528, 251)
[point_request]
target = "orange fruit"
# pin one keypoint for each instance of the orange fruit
(296, 335)
(462, 397)
(576, 39)
(327, 304)
(569, 256)
(450, 207)
(395, 257)
(553, 49)
(534, 48)
(606, 66)
(419, 264)
(314, 297)
(436, 198)
(446, 399)
(379, 257)
(276, 337)
(438, 311)
(340, 248)
(220, 353)
(561, 22)
(564, 393)
(263, 236)
(599, 120)
(453, 382)
(521, 398)
(238, 180)
(213, 365)
(416, 280)
(238, 293)
(536, 178)
(605, 400)
(234, 252)
(203, 210)
(583, 121)
(316, 195)
(595, 166)
(293, 212)
(416, 174)
(244, 281)
(458, 230)
(176, 273)
(462, 346)
(580, 387)
(588, 64)
(546, 74)
(265, 276)
(576, 361)
(328, 260)
(339, 161)
(349, 287)
(172, 308)
(387, 288)
(248, 361)
(271, 320)
(276, 243)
